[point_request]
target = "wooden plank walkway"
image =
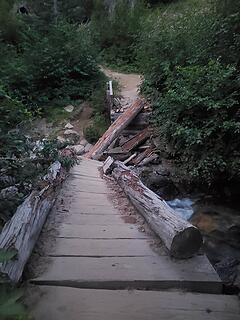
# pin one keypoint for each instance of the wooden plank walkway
(95, 249)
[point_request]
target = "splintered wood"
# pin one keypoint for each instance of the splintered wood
(136, 140)
(115, 129)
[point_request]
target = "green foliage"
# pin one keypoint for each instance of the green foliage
(189, 53)
(60, 65)
(96, 130)
(10, 308)
(197, 116)
(7, 255)
(53, 150)
(116, 31)
(100, 118)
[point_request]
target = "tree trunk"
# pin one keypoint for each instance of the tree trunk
(115, 129)
(181, 238)
(55, 9)
(23, 230)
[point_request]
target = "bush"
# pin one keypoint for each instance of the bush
(189, 52)
(116, 32)
(197, 115)
(58, 65)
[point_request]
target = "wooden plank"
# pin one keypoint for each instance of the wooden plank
(94, 219)
(151, 272)
(124, 231)
(142, 119)
(145, 154)
(136, 140)
(77, 247)
(115, 129)
(63, 303)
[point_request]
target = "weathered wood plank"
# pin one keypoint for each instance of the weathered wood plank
(100, 248)
(136, 140)
(124, 231)
(151, 272)
(68, 303)
(143, 155)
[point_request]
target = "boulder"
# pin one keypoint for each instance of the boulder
(88, 147)
(69, 108)
(72, 135)
(9, 193)
(83, 142)
(78, 149)
(61, 139)
(68, 126)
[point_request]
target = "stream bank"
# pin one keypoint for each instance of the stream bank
(218, 221)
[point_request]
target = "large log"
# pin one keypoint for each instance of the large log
(23, 230)
(115, 129)
(142, 119)
(181, 238)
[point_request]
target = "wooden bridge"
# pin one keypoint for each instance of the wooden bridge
(101, 265)
(98, 258)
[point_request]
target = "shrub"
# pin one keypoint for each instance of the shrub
(58, 65)
(197, 115)
(116, 32)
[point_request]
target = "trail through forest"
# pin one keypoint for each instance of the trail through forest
(128, 83)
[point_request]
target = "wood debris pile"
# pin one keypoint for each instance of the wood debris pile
(129, 138)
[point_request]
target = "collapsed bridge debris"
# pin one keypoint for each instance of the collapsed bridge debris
(115, 129)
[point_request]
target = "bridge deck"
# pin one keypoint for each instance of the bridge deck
(95, 247)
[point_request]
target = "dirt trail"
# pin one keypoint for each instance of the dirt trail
(129, 84)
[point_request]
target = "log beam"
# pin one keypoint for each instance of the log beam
(23, 230)
(115, 129)
(181, 238)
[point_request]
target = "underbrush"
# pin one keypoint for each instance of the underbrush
(189, 53)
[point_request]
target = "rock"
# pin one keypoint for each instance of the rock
(61, 139)
(69, 108)
(229, 271)
(205, 222)
(83, 142)
(88, 147)
(9, 193)
(78, 149)
(6, 180)
(72, 135)
(68, 126)
(159, 181)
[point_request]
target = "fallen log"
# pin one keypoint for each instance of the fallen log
(148, 160)
(130, 158)
(181, 238)
(142, 119)
(143, 155)
(23, 230)
(115, 129)
(136, 140)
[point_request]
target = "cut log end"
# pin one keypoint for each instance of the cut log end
(186, 243)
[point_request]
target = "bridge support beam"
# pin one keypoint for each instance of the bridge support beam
(181, 238)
